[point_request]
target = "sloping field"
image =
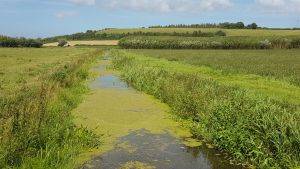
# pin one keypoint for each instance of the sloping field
(229, 32)
(88, 43)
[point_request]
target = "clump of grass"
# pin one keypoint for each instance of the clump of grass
(250, 125)
(37, 129)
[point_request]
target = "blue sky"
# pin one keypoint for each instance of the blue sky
(43, 18)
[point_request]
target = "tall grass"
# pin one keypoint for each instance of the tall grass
(142, 42)
(36, 126)
(251, 126)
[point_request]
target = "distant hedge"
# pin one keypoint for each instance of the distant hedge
(152, 42)
(98, 35)
(19, 42)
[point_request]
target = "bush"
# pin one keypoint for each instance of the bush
(265, 44)
(62, 43)
(220, 33)
(19, 42)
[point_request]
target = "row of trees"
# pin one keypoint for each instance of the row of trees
(225, 25)
(6, 41)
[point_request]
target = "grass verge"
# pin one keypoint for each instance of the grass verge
(36, 126)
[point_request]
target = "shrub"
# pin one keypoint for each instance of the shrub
(62, 43)
(220, 33)
(265, 44)
(19, 42)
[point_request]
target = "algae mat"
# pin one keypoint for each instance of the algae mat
(137, 130)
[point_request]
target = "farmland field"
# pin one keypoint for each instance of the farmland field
(21, 65)
(280, 64)
(88, 43)
(229, 32)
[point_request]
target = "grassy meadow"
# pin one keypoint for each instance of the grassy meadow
(254, 118)
(39, 88)
(279, 64)
(229, 32)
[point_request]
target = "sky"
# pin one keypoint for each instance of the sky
(45, 18)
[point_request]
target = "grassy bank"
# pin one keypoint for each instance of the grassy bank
(37, 129)
(253, 118)
(238, 42)
(279, 64)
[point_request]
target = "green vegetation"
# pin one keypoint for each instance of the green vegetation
(39, 88)
(19, 42)
(254, 118)
(225, 25)
(99, 35)
(153, 42)
(278, 64)
(229, 32)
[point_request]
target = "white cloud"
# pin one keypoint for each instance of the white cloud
(166, 5)
(279, 6)
(64, 14)
(83, 2)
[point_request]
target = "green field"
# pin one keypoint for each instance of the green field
(278, 64)
(254, 118)
(21, 65)
(39, 89)
(229, 32)
(223, 42)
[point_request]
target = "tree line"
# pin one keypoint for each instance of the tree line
(6, 41)
(225, 25)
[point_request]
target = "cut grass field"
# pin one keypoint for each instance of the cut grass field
(279, 64)
(87, 43)
(229, 32)
(39, 89)
(254, 118)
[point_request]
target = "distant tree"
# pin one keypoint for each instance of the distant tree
(252, 26)
(240, 25)
(62, 43)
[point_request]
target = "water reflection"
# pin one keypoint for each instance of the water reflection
(162, 151)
